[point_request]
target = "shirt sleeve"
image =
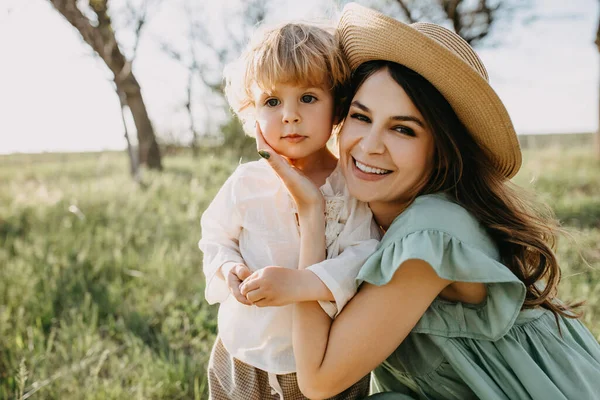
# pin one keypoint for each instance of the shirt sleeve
(357, 241)
(221, 226)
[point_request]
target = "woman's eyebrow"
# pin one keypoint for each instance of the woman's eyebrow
(360, 105)
(409, 118)
(404, 118)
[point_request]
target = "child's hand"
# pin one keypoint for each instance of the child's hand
(272, 286)
(234, 279)
(305, 193)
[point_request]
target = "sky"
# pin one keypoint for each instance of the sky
(55, 96)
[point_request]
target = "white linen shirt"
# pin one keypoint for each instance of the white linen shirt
(252, 220)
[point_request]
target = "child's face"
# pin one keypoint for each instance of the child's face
(296, 121)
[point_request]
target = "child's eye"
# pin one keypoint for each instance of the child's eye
(272, 102)
(308, 98)
(360, 117)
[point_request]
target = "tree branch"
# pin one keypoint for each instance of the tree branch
(68, 8)
(139, 20)
(597, 41)
(451, 9)
(101, 38)
(406, 11)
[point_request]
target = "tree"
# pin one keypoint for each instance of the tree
(99, 34)
(471, 19)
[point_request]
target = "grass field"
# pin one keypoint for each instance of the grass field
(101, 289)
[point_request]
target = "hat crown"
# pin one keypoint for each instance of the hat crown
(453, 42)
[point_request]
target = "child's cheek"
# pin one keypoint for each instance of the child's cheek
(268, 129)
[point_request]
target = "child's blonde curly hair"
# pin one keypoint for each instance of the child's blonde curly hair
(291, 53)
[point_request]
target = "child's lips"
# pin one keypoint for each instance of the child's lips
(293, 138)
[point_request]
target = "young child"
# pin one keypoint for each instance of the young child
(288, 85)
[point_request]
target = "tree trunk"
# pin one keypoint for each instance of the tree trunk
(597, 135)
(133, 159)
(101, 37)
(188, 107)
(148, 150)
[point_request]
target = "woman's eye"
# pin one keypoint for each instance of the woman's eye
(360, 117)
(272, 102)
(307, 98)
(405, 131)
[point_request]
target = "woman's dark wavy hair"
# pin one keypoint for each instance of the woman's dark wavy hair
(524, 230)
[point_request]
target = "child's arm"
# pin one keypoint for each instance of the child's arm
(357, 241)
(277, 286)
(221, 227)
(339, 274)
(331, 282)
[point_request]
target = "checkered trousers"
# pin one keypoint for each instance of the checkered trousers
(231, 379)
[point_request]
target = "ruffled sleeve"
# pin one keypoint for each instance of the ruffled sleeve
(457, 247)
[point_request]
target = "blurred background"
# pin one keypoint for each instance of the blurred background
(115, 136)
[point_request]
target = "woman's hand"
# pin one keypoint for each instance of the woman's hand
(305, 193)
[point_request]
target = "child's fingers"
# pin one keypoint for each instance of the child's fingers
(300, 187)
(234, 287)
(255, 296)
(281, 167)
(248, 286)
(262, 303)
(239, 297)
(261, 143)
(241, 271)
(278, 163)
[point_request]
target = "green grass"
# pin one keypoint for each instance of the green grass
(101, 287)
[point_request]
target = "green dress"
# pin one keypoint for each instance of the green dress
(493, 350)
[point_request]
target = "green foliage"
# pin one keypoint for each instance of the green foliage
(101, 286)
(234, 138)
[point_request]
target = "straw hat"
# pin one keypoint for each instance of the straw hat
(448, 62)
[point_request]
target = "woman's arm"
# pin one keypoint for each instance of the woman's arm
(330, 357)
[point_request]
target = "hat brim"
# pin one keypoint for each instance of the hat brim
(368, 35)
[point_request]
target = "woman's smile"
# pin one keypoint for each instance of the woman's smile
(385, 147)
(367, 172)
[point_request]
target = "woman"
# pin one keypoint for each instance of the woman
(458, 301)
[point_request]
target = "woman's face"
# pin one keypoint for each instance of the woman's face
(386, 148)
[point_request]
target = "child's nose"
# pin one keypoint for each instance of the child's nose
(291, 116)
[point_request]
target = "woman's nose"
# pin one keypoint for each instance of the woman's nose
(372, 143)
